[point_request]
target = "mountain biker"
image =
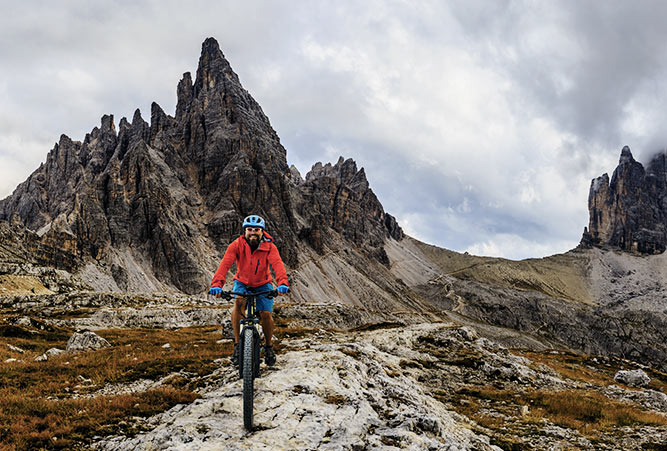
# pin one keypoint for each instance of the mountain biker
(253, 252)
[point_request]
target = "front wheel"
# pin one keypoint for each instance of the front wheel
(248, 377)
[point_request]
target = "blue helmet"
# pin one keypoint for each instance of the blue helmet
(254, 221)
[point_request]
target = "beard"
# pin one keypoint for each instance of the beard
(253, 239)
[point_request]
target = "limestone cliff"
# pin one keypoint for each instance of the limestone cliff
(630, 211)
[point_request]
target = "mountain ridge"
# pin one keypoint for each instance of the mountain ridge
(158, 198)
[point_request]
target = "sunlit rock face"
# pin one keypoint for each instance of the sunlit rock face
(630, 211)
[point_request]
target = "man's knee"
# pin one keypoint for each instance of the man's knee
(263, 314)
(239, 304)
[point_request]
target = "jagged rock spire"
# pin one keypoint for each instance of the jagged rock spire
(629, 212)
(213, 68)
(626, 156)
(184, 94)
(344, 170)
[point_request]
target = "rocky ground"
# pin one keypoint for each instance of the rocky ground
(345, 379)
(326, 393)
(427, 386)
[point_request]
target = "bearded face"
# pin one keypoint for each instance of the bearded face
(253, 234)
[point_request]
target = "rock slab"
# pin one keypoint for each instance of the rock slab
(86, 341)
(633, 378)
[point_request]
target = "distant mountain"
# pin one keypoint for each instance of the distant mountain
(630, 211)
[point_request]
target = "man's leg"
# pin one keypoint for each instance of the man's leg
(266, 320)
(239, 309)
(265, 308)
(237, 314)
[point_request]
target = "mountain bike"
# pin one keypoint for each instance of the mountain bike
(249, 350)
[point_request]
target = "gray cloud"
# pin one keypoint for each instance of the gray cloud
(480, 124)
(584, 64)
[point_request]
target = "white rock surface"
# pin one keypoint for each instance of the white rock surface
(633, 378)
(86, 341)
(24, 321)
(167, 317)
(15, 348)
(327, 396)
(51, 352)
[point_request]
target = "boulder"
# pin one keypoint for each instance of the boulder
(24, 321)
(15, 348)
(633, 378)
(86, 341)
(50, 353)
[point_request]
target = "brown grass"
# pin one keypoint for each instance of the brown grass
(573, 366)
(590, 411)
(36, 401)
(585, 410)
(584, 368)
(38, 423)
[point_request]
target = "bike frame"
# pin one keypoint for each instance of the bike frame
(251, 318)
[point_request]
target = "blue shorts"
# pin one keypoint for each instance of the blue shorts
(263, 303)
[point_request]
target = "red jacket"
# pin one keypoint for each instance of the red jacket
(252, 268)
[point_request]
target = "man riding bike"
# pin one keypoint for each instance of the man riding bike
(253, 252)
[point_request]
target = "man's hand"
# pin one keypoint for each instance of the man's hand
(215, 291)
(283, 289)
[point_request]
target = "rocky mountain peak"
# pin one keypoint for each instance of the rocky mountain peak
(136, 118)
(344, 171)
(184, 95)
(157, 203)
(159, 120)
(214, 73)
(339, 197)
(626, 156)
(657, 168)
(213, 67)
(629, 211)
(108, 126)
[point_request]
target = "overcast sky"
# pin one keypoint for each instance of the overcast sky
(480, 123)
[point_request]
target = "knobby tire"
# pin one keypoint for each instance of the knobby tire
(248, 378)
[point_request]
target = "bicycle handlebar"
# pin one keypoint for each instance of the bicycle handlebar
(268, 293)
